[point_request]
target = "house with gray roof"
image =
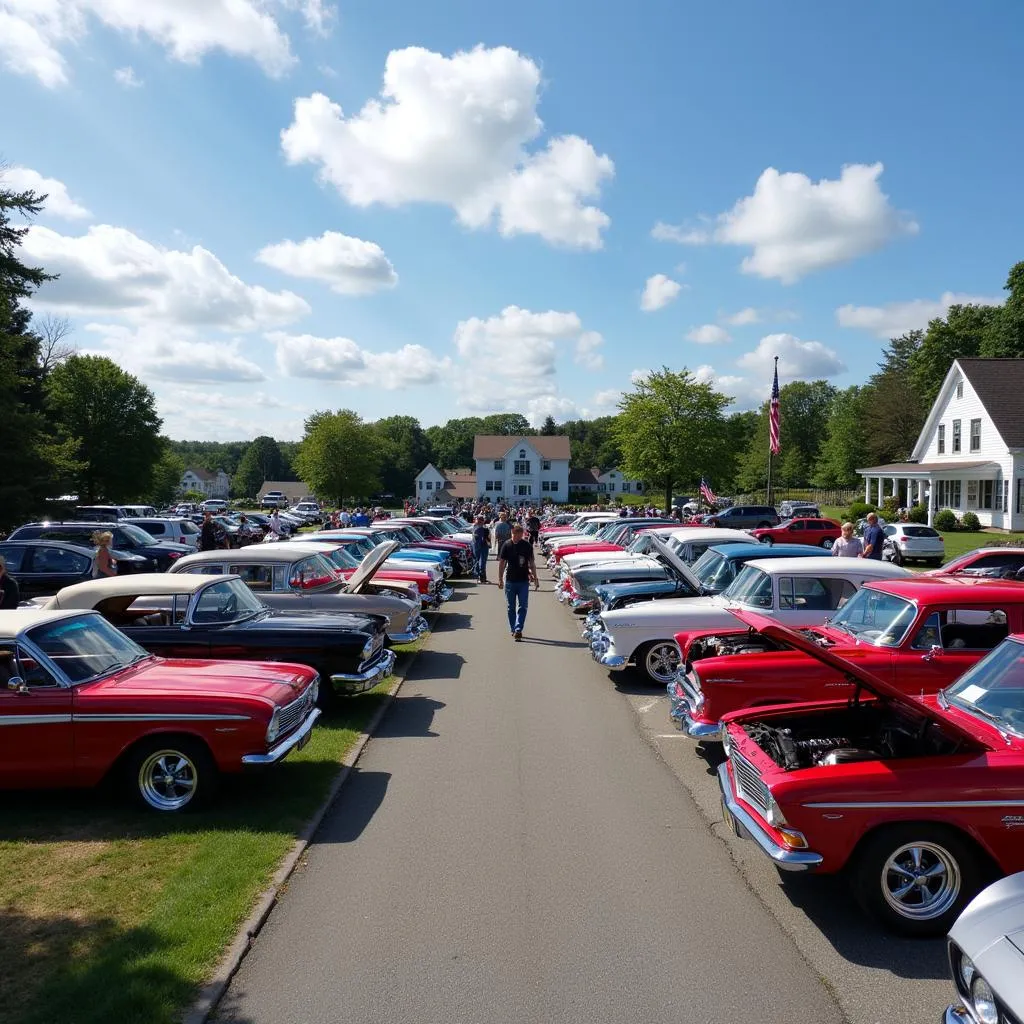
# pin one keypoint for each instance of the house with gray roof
(969, 456)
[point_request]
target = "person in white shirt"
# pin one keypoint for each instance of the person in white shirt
(275, 523)
(847, 546)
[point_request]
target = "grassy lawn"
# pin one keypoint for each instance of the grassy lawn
(112, 914)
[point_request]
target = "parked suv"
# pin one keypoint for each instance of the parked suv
(42, 567)
(126, 538)
(101, 513)
(214, 505)
(179, 529)
(274, 499)
(744, 517)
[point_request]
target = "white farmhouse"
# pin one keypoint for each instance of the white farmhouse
(434, 487)
(202, 481)
(970, 454)
(612, 482)
(522, 469)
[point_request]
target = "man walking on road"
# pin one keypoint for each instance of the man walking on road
(481, 546)
(874, 538)
(502, 532)
(516, 570)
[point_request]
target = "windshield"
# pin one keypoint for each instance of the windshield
(340, 558)
(994, 688)
(714, 571)
(85, 647)
(225, 602)
(752, 587)
(136, 534)
(876, 618)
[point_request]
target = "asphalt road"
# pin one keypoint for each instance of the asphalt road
(510, 849)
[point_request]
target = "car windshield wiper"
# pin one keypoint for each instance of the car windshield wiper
(1001, 726)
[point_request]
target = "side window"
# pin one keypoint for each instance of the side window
(34, 674)
(809, 593)
(256, 577)
(206, 569)
(58, 560)
(974, 629)
(929, 634)
(155, 527)
(797, 524)
(123, 541)
(13, 556)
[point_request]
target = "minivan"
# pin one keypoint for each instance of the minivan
(744, 517)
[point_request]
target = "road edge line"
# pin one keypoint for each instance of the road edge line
(213, 989)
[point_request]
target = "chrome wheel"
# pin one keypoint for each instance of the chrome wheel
(168, 780)
(661, 662)
(827, 544)
(920, 881)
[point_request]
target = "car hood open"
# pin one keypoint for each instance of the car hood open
(369, 565)
(868, 680)
(668, 555)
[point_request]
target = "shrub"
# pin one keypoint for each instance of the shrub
(890, 509)
(945, 521)
(970, 522)
(858, 510)
(917, 514)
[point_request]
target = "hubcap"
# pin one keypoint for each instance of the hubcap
(662, 662)
(920, 881)
(168, 780)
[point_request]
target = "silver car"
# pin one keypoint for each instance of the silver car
(287, 577)
(986, 956)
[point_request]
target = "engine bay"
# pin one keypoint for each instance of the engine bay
(873, 731)
(719, 644)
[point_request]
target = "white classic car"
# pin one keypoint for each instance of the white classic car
(796, 591)
(986, 956)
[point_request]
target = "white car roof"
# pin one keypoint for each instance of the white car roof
(704, 533)
(144, 584)
(254, 553)
(14, 621)
(828, 565)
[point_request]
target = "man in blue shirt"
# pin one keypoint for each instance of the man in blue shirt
(874, 538)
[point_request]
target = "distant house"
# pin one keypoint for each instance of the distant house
(969, 456)
(293, 490)
(612, 482)
(434, 487)
(522, 469)
(202, 481)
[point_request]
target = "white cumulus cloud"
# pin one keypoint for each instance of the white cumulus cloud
(798, 360)
(33, 33)
(896, 318)
(58, 202)
(349, 265)
(663, 232)
(126, 76)
(454, 130)
(112, 271)
(659, 291)
(794, 225)
(344, 361)
(708, 334)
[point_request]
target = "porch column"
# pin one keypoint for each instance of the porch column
(878, 481)
(931, 499)
(867, 489)
(896, 489)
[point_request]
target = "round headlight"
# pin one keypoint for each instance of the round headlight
(314, 690)
(367, 648)
(965, 968)
(726, 742)
(275, 725)
(984, 1001)
(774, 814)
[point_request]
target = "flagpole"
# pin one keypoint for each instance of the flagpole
(768, 495)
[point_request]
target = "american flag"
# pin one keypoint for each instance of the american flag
(773, 414)
(706, 493)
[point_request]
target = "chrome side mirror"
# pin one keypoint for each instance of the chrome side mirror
(933, 652)
(17, 685)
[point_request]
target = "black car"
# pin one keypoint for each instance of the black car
(744, 517)
(42, 567)
(160, 554)
(181, 615)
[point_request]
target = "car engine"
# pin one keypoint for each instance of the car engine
(864, 732)
(741, 642)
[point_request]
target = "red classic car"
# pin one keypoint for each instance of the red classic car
(819, 533)
(80, 702)
(918, 633)
(920, 800)
(1003, 562)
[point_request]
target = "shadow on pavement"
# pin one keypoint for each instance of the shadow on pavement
(360, 797)
(436, 665)
(552, 643)
(451, 620)
(409, 716)
(828, 902)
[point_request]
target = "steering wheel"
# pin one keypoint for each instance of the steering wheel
(230, 606)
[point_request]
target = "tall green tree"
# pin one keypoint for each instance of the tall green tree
(1005, 338)
(513, 424)
(452, 443)
(261, 461)
(339, 457)
(842, 450)
(894, 407)
(958, 335)
(549, 427)
(167, 473)
(671, 430)
(113, 417)
(405, 449)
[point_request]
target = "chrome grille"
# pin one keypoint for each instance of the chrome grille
(748, 782)
(292, 714)
(375, 649)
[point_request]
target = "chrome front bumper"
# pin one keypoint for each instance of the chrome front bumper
(417, 627)
(746, 826)
(434, 600)
(360, 682)
(288, 744)
(600, 644)
(684, 708)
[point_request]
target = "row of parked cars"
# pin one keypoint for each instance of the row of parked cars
(166, 681)
(863, 720)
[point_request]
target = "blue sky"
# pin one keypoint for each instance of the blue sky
(267, 207)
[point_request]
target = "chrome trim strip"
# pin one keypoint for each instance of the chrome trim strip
(920, 803)
(34, 719)
(286, 745)
(101, 717)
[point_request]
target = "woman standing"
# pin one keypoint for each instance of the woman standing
(103, 562)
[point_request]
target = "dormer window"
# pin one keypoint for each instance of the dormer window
(960, 389)
(522, 453)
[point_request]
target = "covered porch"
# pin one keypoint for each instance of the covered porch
(959, 486)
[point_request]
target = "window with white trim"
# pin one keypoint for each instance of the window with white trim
(960, 389)
(1020, 495)
(499, 464)
(430, 485)
(942, 439)
(986, 490)
(956, 436)
(947, 493)
(521, 467)
(975, 435)
(545, 465)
